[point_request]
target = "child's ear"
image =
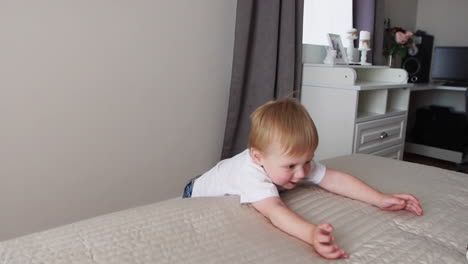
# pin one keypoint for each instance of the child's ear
(257, 156)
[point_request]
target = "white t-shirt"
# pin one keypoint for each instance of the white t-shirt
(240, 176)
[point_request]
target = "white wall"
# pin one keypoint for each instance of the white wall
(446, 20)
(318, 21)
(107, 104)
(402, 13)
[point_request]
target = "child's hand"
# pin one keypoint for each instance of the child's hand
(400, 201)
(322, 242)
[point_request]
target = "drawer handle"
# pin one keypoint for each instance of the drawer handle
(383, 135)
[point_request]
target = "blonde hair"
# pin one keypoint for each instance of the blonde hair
(285, 121)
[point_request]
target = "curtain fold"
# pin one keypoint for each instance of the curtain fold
(366, 16)
(379, 31)
(267, 63)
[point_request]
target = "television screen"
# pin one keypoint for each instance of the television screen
(450, 64)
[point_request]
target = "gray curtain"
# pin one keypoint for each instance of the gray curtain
(267, 63)
(368, 16)
(379, 31)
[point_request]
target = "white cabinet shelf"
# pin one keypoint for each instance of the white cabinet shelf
(341, 99)
(433, 152)
(423, 96)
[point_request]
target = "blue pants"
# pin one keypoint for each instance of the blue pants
(189, 187)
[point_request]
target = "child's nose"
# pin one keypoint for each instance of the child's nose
(300, 174)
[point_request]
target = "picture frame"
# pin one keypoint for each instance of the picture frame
(334, 41)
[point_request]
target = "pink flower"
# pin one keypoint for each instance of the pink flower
(398, 41)
(402, 38)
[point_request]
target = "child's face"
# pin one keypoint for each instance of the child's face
(285, 171)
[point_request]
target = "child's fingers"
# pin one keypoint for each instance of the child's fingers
(419, 209)
(414, 208)
(339, 253)
(328, 228)
(324, 246)
(326, 249)
(333, 252)
(392, 203)
(324, 238)
(407, 197)
(396, 200)
(395, 207)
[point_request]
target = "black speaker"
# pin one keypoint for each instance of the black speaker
(418, 61)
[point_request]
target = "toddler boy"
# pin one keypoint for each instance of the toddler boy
(282, 142)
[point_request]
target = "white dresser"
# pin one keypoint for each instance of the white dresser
(357, 109)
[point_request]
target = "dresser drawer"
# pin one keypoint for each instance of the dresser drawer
(395, 152)
(379, 134)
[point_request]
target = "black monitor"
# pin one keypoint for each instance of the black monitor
(450, 65)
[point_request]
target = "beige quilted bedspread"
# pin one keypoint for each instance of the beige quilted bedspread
(220, 230)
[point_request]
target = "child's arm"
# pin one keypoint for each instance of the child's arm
(290, 222)
(346, 185)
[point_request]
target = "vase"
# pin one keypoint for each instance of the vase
(389, 61)
(394, 61)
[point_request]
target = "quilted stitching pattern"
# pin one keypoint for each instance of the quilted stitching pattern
(220, 230)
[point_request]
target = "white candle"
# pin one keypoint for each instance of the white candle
(364, 40)
(352, 33)
(364, 35)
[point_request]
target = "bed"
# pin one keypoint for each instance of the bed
(220, 230)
